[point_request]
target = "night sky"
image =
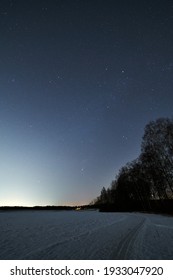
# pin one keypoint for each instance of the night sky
(79, 80)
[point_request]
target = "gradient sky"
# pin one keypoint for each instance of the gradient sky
(79, 80)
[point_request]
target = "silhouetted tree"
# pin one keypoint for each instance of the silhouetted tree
(132, 184)
(157, 156)
(104, 196)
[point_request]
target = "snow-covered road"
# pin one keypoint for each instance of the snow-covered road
(85, 235)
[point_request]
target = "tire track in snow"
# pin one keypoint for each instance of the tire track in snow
(51, 250)
(127, 243)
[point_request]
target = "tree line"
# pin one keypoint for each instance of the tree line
(146, 183)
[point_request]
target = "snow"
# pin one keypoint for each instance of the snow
(84, 235)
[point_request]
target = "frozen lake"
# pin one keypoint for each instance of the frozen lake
(84, 235)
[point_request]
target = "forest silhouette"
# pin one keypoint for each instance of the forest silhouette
(146, 183)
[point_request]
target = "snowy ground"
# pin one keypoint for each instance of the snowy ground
(85, 235)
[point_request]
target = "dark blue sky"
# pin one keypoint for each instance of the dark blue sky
(79, 80)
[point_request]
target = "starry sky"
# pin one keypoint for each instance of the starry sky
(79, 80)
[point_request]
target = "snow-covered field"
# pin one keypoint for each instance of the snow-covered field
(85, 235)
